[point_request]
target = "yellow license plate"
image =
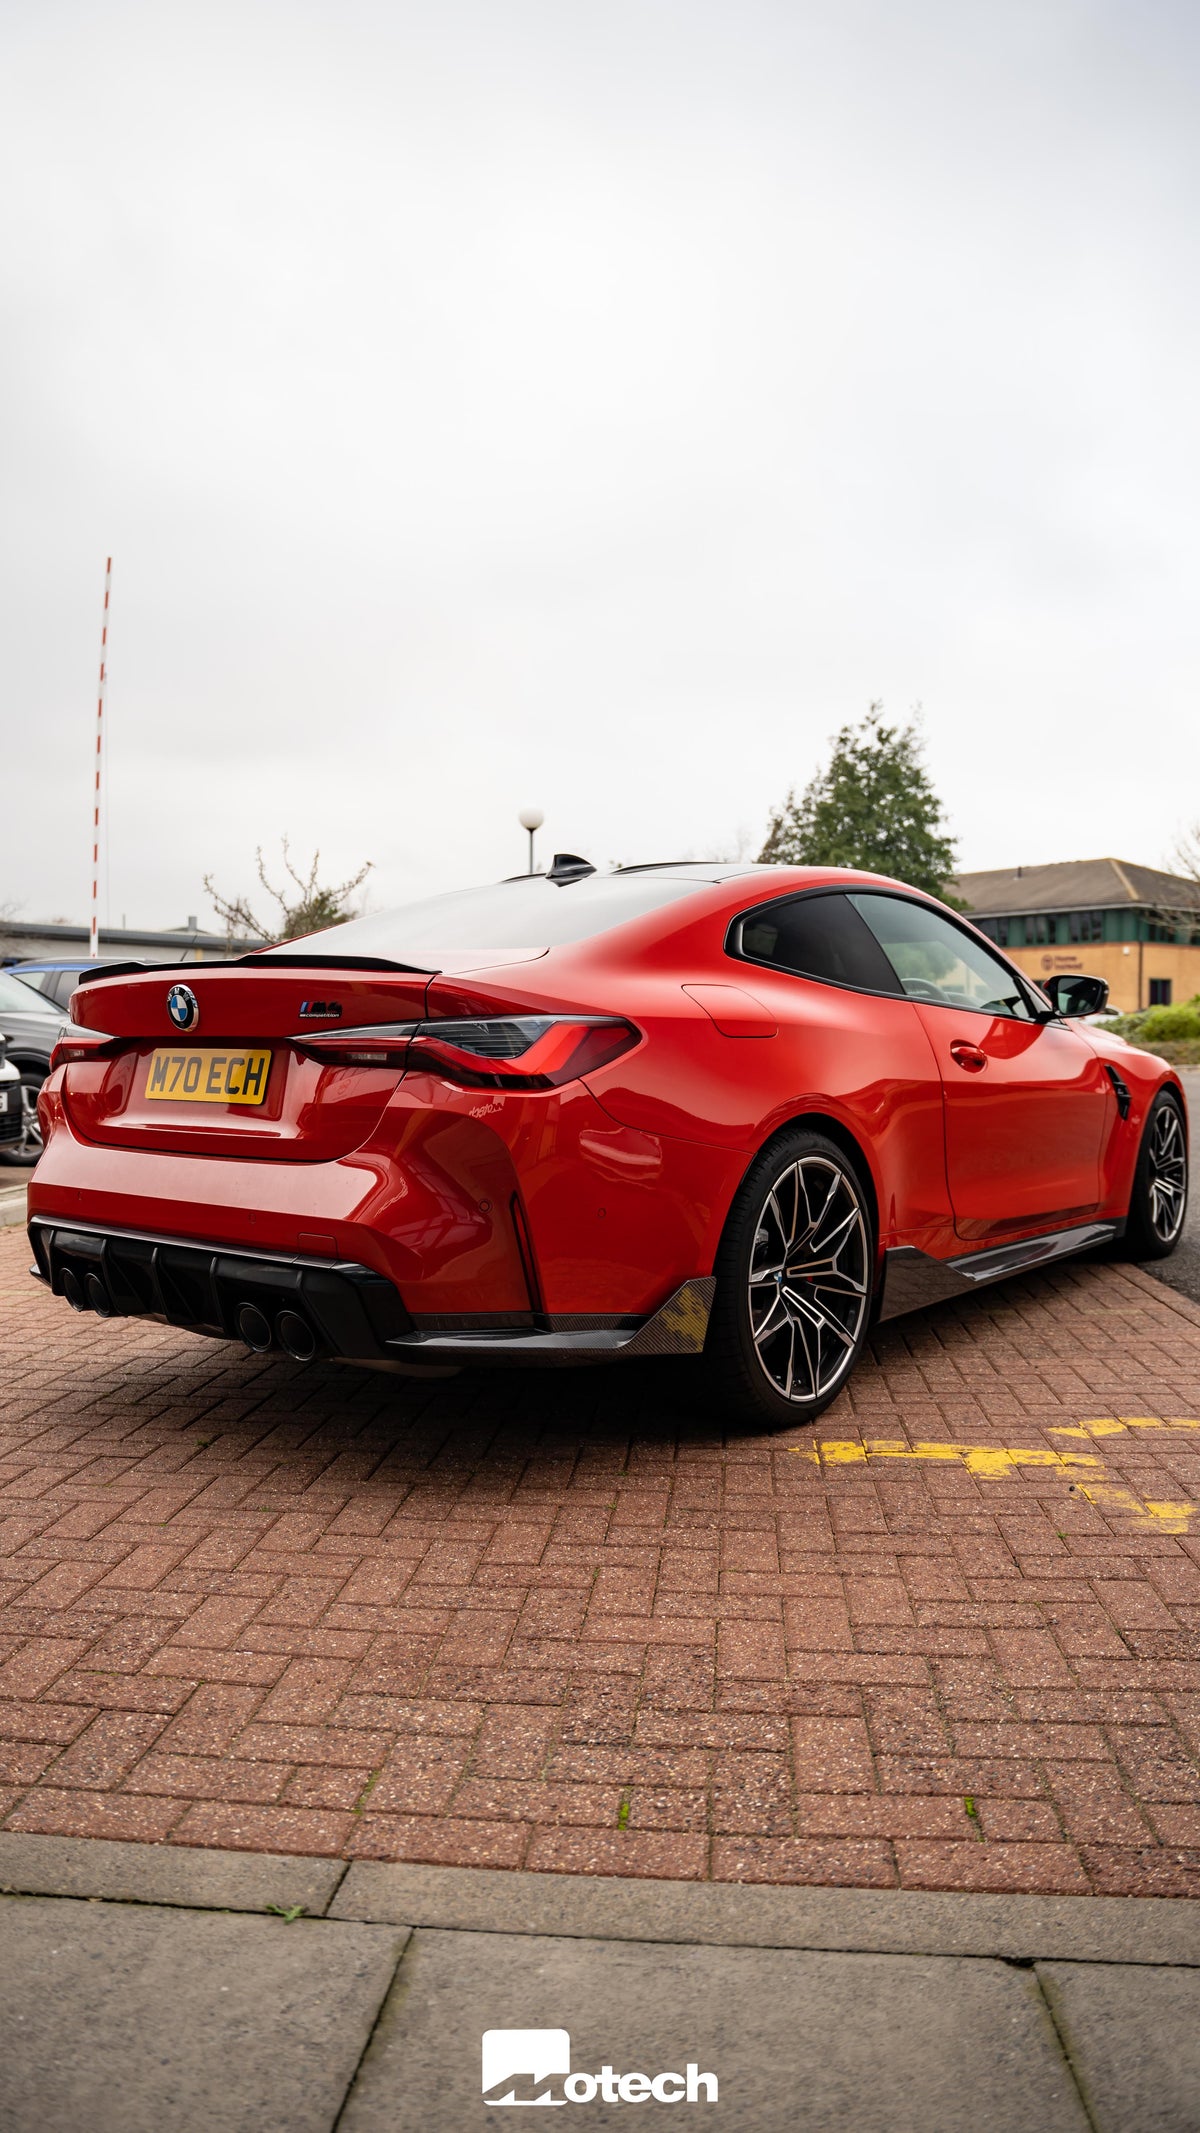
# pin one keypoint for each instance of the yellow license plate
(204, 1077)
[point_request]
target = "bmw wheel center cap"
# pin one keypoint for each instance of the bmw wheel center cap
(183, 1007)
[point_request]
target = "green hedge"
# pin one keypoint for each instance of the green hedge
(1154, 1026)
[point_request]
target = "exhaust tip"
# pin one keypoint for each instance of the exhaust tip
(72, 1289)
(296, 1336)
(98, 1297)
(254, 1328)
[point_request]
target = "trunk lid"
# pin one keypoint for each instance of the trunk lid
(244, 1016)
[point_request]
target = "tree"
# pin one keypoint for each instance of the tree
(872, 807)
(313, 907)
(1182, 913)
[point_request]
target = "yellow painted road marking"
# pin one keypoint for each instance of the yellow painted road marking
(995, 1463)
(1148, 1517)
(1109, 1427)
(977, 1458)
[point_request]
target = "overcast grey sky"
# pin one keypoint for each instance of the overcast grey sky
(496, 402)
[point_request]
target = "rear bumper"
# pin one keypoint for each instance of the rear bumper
(542, 1205)
(352, 1313)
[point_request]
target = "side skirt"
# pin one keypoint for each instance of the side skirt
(912, 1279)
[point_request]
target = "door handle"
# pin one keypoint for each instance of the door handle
(968, 1056)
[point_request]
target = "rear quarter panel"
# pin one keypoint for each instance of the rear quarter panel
(858, 1059)
(861, 1061)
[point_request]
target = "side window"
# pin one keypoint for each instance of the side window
(935, 962)
(816, 937)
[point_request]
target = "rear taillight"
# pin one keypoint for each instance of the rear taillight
(383, 1044)
(76, 1044)
(526, 1052)
(502, 1052)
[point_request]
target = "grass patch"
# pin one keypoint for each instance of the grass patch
(366, 1792)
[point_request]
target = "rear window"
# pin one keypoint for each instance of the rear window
(530, 913)
(18, 998)
(55, 985)
(816, 937)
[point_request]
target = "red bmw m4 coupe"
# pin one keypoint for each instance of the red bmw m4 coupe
(736, 1112)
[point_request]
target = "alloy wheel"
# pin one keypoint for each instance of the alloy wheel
(1167, 1173)
(808, 1283)
(28, 1145)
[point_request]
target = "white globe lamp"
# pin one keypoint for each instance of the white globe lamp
(531, 819)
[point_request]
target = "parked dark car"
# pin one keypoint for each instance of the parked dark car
(11, 1103)
(56, 980)
(31, 1023)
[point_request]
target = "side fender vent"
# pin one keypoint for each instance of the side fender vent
(1121, 1089)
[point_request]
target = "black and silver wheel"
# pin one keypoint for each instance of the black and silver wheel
(795, 1275)
(28, 1145)
(1160, 1185)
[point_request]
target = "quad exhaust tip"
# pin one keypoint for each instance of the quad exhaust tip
(73, 1290)
(254, 1328)
(296, 1336)
(87, 1293)
(98, 1297)
(293, 1333)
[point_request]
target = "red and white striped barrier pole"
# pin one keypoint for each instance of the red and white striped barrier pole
(94, 935)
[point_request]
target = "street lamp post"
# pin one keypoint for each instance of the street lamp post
(531, 819)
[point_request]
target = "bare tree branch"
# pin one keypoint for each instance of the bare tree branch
(315, 907)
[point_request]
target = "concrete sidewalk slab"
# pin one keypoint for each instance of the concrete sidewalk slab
(1133, 2037)
(826, 2042)
(126, 2019)
(133, 2014)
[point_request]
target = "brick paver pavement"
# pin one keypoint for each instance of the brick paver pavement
(948, 1639)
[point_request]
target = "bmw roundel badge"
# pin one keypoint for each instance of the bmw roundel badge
(183, 1007)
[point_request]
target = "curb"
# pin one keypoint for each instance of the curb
(13, 1206)
(1144, 1930)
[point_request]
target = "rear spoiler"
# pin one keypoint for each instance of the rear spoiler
(259, 962)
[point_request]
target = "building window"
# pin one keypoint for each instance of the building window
(996, 930)
(1160, 992)
(1040, 930)
(1157, 931)
(1086, 926)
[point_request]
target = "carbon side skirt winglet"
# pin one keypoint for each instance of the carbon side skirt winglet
(913, 1279)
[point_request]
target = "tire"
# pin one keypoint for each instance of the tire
(777, 1351)
(25, 1151)
(1158, 1203)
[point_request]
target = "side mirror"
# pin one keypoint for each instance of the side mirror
(1074, 996)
